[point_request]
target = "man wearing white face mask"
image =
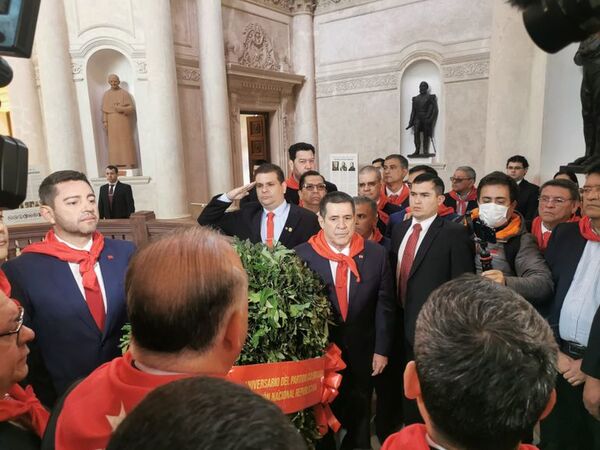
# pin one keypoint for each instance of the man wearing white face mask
(515, 258)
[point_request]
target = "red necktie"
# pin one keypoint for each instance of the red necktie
(341, 287)
(270, 229)
(407, 260)
(545, 238)
(93, 297)
(393, 198)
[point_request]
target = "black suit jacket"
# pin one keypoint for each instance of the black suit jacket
(389, 209)
(368, 328)
(527, 201)
(445, 253)
(122, 202)
(291, 195)
(563, 254)
(244, 223)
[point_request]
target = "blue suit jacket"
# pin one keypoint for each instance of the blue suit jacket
(68, 344)
(369, 325)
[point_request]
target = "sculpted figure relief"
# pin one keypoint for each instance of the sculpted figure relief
(588, 57)
(422, 119)
(117, 112)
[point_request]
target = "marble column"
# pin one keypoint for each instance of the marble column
(516, 93)
(215, 102)
(59, 101)
(162, 104)
(26, 112)
(303, 62)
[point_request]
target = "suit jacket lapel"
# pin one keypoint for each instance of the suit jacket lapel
(322, 266)
(354, 286)
(432, 232)
(255, 219)
(403, 228)
(290, 225)
(110, 289)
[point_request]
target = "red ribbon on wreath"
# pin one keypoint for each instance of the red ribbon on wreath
(330, 384)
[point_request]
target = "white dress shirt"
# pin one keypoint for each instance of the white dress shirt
(78, 278)
(281, 214)
(334, 264)
(389, 192)
(425, 224)
(583, 297)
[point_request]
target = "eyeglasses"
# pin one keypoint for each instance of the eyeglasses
(558, 200)
(459, 180)
(315, 187)
(19, 324)
(587, 190)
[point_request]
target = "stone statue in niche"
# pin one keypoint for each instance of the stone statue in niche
(422, 120)
(588, 57)
(117, 115)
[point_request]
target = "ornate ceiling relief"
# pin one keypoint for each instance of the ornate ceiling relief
(278, 5)
(257, 49)
(302, 6)
(356, 85)
(469, 70)
(332, 5)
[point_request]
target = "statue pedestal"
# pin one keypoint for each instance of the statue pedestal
(130, 172)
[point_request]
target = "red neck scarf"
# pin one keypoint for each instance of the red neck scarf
(381, 202)
(511, 229)
(543, 238)
(357, 245)
(414, 437)
(86, 260)
(94, 408)
(395, 199)
(23, 407)
(292, 183)
(376, 236)
(462, 205)
(586, 230)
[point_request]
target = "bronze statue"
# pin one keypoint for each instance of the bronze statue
(422, 119)
(117, 111)
(588, 57)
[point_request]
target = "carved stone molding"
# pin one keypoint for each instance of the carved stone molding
(302, 6)
(470, 70)
(77, 71)
(141, 67)
(257, 49)
(188, 75)
(324, 6)
(277, 5)
(355, 85)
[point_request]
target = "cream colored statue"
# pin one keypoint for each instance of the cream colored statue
(117, 111)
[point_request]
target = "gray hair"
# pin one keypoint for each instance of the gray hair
(371, 169)
(469, 171)
(362, 200)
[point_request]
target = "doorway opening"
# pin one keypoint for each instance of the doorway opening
(254, 129)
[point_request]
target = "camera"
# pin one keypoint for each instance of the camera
(18, 19)
(483, 235)
(554, 24)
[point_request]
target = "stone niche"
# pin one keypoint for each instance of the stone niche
(101, 64)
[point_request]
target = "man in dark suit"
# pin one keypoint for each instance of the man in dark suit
(116, 198)
(269, 220)
(301, 160)
(359, 286)
(71, 286)
(426, 252)
(573, 256)
(370, 185)
(527, 201)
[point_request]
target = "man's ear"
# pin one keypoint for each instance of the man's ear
(290, 168)
(550, 405)
(284, 184)
(412, 387)
(235, 332)
(440, 199)
(321, 220)
(47, 213)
